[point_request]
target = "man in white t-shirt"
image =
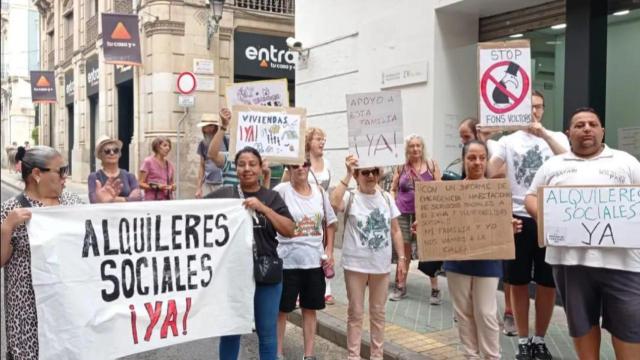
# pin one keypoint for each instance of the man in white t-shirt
(523, 152)
(594, 282)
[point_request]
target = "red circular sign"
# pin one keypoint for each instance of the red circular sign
(186, 83)
(517, 100)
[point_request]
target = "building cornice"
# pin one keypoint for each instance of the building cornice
(164, 27)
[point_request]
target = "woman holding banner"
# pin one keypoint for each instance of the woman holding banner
(417, 168)
(371, 227)
(157, 172)
(271, 217)
(44, 173)
(473, 283)
(108, 151)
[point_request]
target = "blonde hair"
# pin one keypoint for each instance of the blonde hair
(410, 138)
(311, 132)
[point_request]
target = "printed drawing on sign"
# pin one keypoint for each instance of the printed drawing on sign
(505, 84)
(375, 128)
(263, 93)
(277, 133)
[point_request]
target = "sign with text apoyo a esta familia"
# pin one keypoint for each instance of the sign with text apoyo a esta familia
(276, 132)
(375, 128)
(117, 279)
(263, 93)
(505, 84)
(464, 220)
(589, 216)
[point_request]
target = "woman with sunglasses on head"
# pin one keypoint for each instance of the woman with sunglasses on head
(418, 167)
(44, 173)
(371, 229)
(302, 254)
(156, 173)
(271, 218)
(108, 151)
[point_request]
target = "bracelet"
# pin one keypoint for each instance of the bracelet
(344, 183)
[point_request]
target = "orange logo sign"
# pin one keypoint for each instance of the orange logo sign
(120, 32)
(43, 82)
(264, 64)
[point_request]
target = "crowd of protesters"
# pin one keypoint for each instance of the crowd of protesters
(296, 207)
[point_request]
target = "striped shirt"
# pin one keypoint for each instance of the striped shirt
(229, 173)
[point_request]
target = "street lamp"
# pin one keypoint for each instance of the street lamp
(214, 19)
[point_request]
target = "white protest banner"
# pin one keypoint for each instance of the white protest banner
(375, 128)
(505, 84)
(117, 279)
(263, 93)
(277, 133)
(464, 220)
(589, 216)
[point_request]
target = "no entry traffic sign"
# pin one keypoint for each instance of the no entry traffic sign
(505, 84)
(186, 83)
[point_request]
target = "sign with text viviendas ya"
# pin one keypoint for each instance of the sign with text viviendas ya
(43, 87)
(121, 43)
(112, 280)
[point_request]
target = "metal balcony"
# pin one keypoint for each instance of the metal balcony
(283, 7)
(91, 31)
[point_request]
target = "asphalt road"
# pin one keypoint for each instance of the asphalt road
(208, 348)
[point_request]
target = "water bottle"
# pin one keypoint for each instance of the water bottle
(326, 267)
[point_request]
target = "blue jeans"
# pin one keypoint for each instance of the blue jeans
(266, 304)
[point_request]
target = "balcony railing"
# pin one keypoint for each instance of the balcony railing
(51, 60)
(92, 30)
(285, 7)
(123, 6)
(68, 48)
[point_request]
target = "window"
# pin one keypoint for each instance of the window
(68, 25)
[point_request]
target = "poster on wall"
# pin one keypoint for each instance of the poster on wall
(43, 87)
(505, 84)
(277, 133)
(375, 128)
(121, 43)
(113, 280)
(263, 93)
(605, 216)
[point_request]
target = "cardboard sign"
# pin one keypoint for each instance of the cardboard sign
(121, 43)
(117, 279)
(505, 84)
(277, 133)
(589, 216)
(375, 128)
(263, 93)
(43, 87)
(464, 220)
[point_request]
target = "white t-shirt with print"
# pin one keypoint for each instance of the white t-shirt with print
(367, 235)
(323, 177)
(611, 167)
(303, 251)
(524, 154)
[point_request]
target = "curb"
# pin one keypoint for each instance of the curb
(335, 331)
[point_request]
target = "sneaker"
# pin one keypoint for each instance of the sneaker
(540, 351)
(436, 297)
(524, 352)
(329, 300)
(398, 294)
(509, 325)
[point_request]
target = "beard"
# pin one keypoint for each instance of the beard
(208, 138)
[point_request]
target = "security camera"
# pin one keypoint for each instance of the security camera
(294, 44)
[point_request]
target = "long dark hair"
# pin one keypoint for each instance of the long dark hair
(465, 149)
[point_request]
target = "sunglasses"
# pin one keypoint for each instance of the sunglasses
(374, 172)
(305, 165)
(111, 151)
(63, 171)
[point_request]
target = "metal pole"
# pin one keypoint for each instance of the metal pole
(186, 113)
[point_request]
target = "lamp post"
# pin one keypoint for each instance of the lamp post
(214, 19)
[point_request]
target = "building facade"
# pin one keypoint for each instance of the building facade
(138, 103)
(581, 56)
(18, 17)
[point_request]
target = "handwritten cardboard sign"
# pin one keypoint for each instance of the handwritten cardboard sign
(464, 220)
(589, 216)
(504, 68)
(117, 279)
(264, 93)
(277, 133)
(375, 128)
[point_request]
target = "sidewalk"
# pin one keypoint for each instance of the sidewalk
(13, 180)
(417, 330)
